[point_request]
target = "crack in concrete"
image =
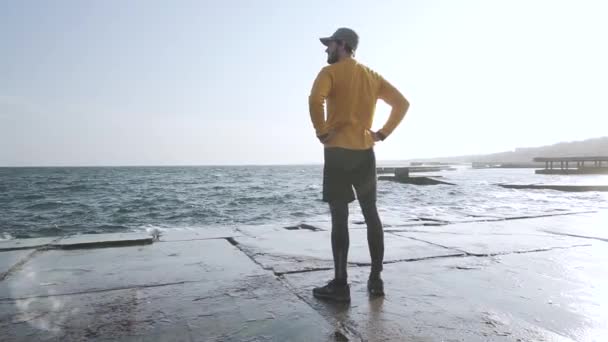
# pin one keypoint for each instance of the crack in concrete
(458, 233)
(342, 330)
(527, 251)
(7, 299)
(497, 253)
(236, 244)
(232, 241)
(16, 267)
(547, 215)
(304, 226)
(577, 236)
(458, 255)
(434, 244)
(349, 330)
(437, 222)
(367, 264)
(308, 270)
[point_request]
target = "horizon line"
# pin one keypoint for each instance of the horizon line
(205, 165)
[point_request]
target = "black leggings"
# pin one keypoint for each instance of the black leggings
(340, 240)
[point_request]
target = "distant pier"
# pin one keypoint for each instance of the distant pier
(573, 165)
(402, 175)
(568, 188)
(505, 165)
(414, 169)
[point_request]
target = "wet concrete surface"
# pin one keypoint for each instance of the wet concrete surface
(252, 308)
(547, 296)
(9, 245)
(538, 279)
(54, 272)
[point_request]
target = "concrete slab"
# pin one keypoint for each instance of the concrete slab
(286, 251)
(491, 244)
(514, 235)
(103, 240)
(257, 308)
(11, 258)
(529, 226)
(591, 226)
(16, 244)
(496, 225)
(206, 233)
(546, 296)
(54, 272)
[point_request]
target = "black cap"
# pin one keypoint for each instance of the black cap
(344, 34)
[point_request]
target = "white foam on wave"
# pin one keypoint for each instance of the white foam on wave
(6, 236)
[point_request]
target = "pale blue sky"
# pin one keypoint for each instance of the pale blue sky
(200, 82)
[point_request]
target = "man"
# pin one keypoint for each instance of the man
(351, 91)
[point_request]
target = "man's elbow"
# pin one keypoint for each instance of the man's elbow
(310, 101)
(402, 105)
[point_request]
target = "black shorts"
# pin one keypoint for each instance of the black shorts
(347, 169)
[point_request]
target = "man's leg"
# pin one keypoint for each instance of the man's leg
(337, 289)
(365, 181)
(338, 192)
(375, 235)
(339, 240)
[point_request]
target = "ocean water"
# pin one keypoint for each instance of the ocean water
(57, 201)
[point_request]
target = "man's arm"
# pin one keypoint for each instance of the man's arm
(320, 90)
(399, 106)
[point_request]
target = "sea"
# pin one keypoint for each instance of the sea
(53, 201)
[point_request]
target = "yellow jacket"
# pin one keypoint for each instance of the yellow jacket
(351, 91)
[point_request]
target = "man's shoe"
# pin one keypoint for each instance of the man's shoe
(375, 287)
(333, 291)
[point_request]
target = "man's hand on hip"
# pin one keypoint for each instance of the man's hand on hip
(377, 136)
(325, 138)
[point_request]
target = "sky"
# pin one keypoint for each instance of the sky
(206, 82)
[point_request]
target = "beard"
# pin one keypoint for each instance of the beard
(332, 57)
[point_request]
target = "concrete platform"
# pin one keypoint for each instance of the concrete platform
(521, 280)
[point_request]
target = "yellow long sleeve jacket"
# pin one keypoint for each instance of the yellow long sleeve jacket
(350, 90)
